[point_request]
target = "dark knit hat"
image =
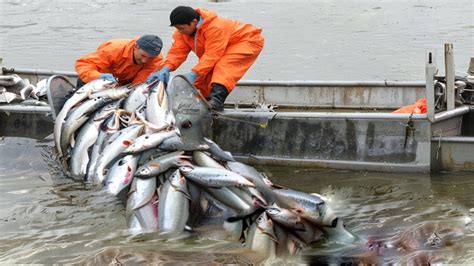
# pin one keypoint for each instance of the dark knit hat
(183, 15)
(151, 44)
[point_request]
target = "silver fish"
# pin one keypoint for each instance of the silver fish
(148, 214)
(9, 97)
(12, 80)
(28, 91)
(104, 135)
(214, 177)
(310, 207)
(160, 165)
(261, 237)
(137, 98)
(157, 106)
(121, 174)
(175, 143)
(261, 185)
(79, 96)
(217, 152)
(245, 193)
(225, 196)
(310, 233)
(148, 141)
(78, 117)
(173, 207)
(33, 102)
(144, 191)
(113, 93)
(114, 149)
(80, 156)
(87, 136)
(285, 217)
(202, 159)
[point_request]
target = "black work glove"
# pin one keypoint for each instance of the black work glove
(217, 97)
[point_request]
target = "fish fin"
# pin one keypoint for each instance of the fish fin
(272, 236)
(234, 219)
(136, 207)
(291, 246)
(155, 164)
(186, 194)
(184, 162)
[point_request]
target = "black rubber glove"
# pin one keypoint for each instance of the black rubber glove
(217, 97)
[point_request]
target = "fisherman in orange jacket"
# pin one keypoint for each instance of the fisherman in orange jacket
(226, 49)
(125, 60)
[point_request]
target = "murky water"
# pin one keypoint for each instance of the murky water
(305, 40)
(48, 218)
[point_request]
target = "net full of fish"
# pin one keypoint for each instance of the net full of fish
(126, 140)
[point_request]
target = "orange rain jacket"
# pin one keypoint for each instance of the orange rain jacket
(116, 57)
(417, 108)
(226, 49)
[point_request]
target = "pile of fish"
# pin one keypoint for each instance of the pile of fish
(128, 141)
(14, 89)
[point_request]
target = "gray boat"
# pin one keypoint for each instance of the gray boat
(330, 124)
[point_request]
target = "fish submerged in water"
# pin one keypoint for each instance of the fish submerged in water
(424, 243)
(426, 235)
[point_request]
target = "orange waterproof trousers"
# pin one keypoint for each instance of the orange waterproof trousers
(231, 67)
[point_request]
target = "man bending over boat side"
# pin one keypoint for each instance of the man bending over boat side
(125, 60)
(226, 49)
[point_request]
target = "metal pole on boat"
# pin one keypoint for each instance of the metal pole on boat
(431, 69)
(449, 69)
(470, 70)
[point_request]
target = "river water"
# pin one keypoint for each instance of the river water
(305, 40)
(47, 218)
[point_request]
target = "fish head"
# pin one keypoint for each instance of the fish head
(177, 179)
(144, 171)
(272, 211)
(446, 236)
(433, 240)
(102, 84)
(263, 221)
(185, 169)
(132, 147)
(267, 181)
(374, 246)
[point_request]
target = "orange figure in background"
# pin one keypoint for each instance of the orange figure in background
(417, 108)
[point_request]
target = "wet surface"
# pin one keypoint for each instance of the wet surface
(48, 218)
(305, 40)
